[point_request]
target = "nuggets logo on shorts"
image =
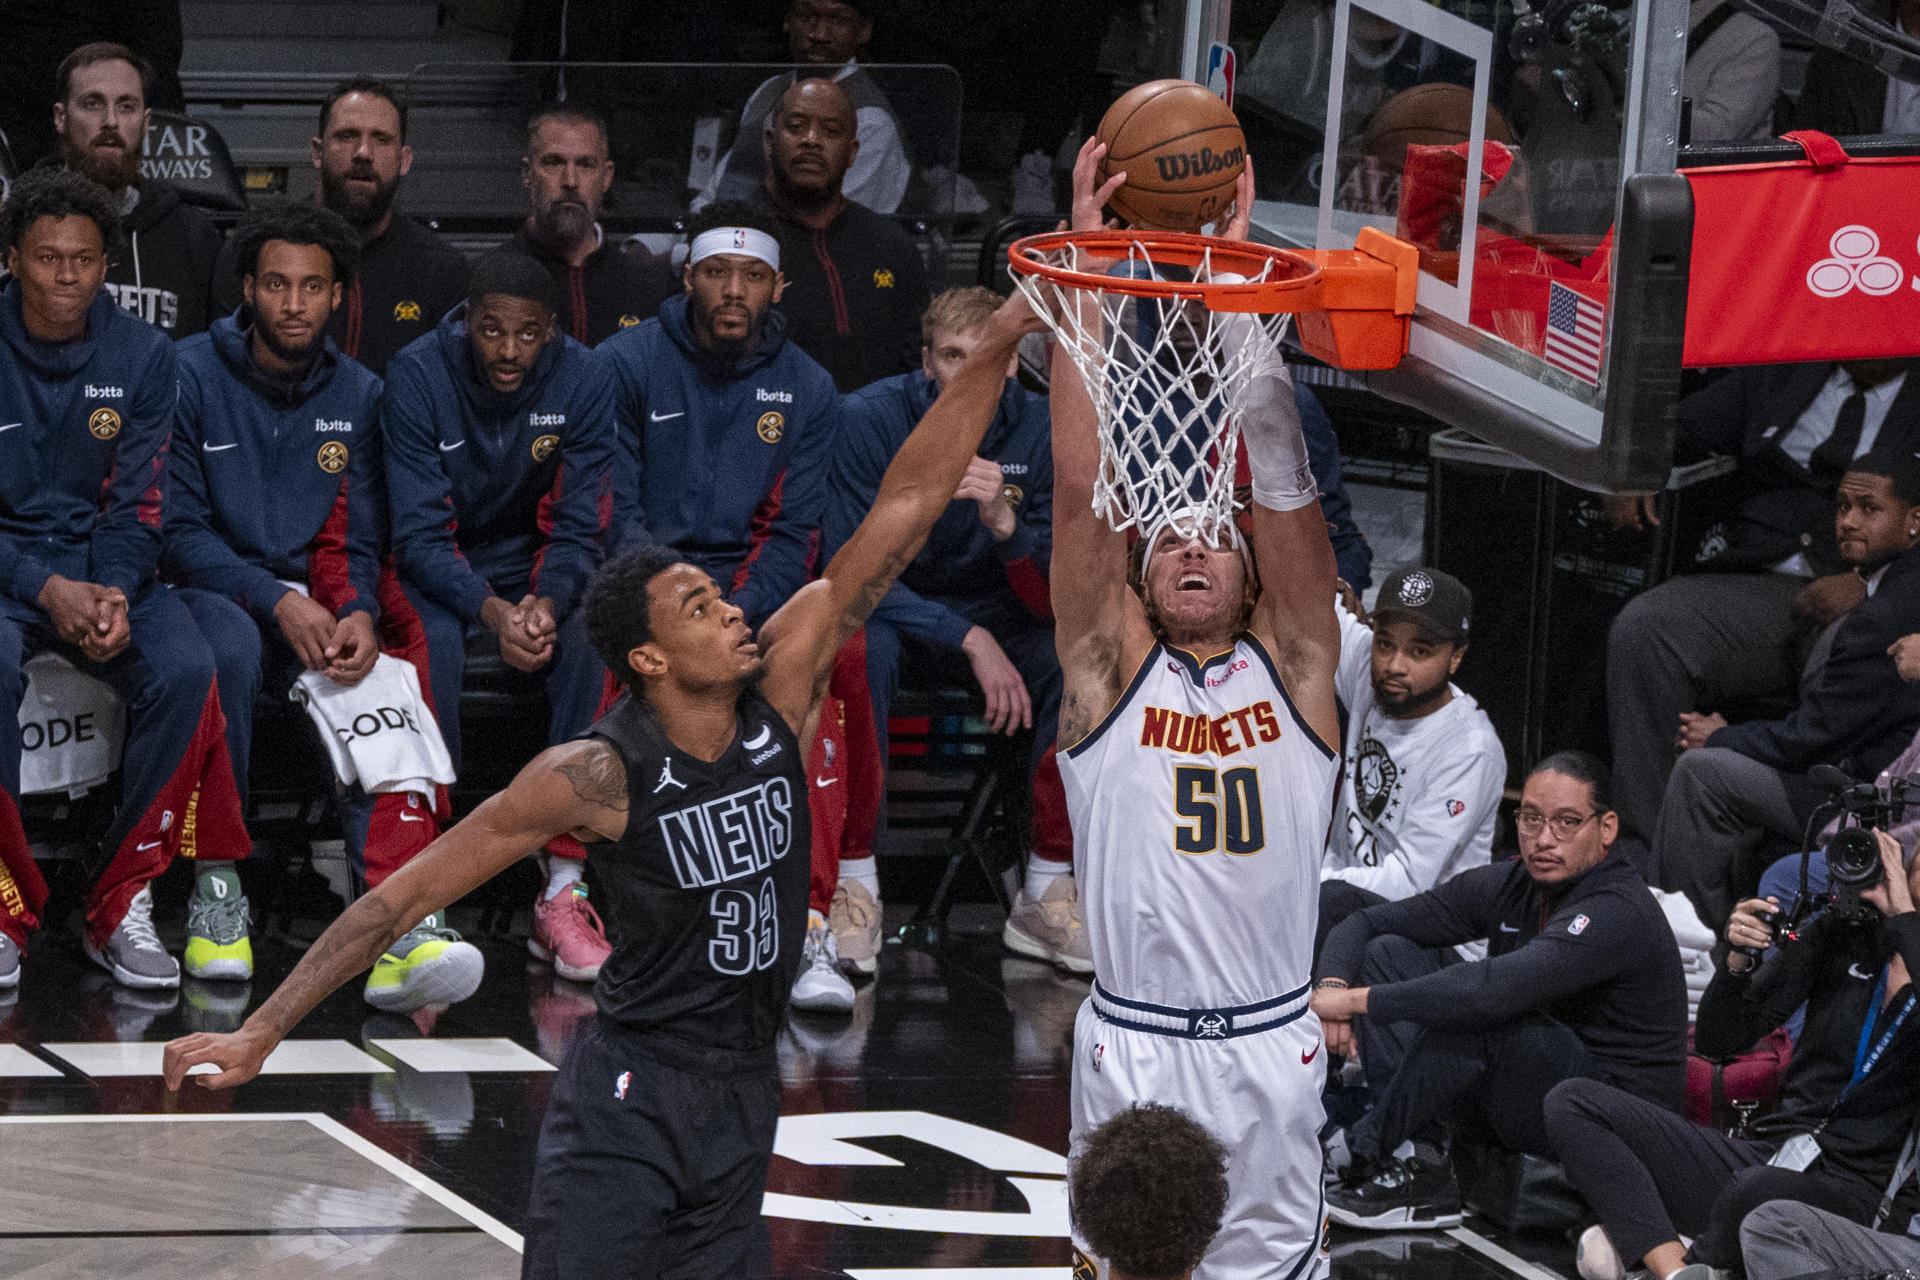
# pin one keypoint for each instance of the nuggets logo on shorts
(543, 447)
(104, 424)
(1011, 494)
(771, 427)
(333, 457)
(1083, 1267)
(406, 311)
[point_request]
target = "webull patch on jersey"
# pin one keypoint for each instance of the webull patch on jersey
(1224, 735)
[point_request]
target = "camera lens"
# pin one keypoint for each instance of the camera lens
(1853, 859)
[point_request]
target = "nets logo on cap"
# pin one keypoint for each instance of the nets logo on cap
(1416, 589)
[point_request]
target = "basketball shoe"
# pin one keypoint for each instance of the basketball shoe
(9, 963)
(821, 987)
(1403, 1193)
(217, 943)
(567, 931)
(854, 917)
(1050, 928)
(428, 965)
(133, 954)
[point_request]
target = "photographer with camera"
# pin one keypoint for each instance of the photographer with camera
(1849, 1097)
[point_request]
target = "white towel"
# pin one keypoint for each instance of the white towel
(379, 732)
(1696, 945)
(72, 728)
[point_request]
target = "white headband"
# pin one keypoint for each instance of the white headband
(742, 240)
(1181, 519)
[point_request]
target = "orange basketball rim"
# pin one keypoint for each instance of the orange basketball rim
(1351, 307)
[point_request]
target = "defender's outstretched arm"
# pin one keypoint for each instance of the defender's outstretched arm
(802, 637)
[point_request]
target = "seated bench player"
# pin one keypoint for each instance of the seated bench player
(975, 599)
(86, 403)
(273, 532)
(725, 433)
(498, 435)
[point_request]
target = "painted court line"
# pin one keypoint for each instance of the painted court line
(16, 1063)
(291, 1057)
(346, 1137)
(455, 1054)
(1512, 1262)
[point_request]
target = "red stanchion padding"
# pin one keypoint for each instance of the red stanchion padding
(1805, 260)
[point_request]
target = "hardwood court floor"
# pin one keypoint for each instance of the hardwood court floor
(922, 1138)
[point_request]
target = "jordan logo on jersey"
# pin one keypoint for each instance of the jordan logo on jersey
(737, 835)
(667, 779)
(1225, 735)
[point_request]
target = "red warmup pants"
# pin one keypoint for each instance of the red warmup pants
(177, 795)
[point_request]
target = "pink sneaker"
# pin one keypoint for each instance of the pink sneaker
(567, 931)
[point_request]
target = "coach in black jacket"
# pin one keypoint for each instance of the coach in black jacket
(1582, 978)
(1848, 1099)
(1733, 785)
(1738, 636)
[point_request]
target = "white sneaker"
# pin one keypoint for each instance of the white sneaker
(9, 963)
(821, 987)
(1595, 1257)
(133, 954)
(1050, 928)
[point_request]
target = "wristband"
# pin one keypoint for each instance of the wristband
(1338, 984)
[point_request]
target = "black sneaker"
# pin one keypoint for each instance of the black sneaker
(1402, 1195)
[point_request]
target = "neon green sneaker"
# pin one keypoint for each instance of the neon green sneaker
(429, 965)
(217, 943)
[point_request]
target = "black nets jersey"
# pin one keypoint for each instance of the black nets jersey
(705, 896)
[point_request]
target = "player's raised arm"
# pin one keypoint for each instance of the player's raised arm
(801, 639)
(575, 787)
(1293, 557)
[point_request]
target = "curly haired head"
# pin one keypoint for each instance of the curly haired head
(618, 618)
(1147, 1190)
(50, 192)
(296, 222)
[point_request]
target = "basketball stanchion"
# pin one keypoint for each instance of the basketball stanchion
(1175, 335)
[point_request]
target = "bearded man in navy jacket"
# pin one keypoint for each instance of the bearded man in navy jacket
(499, 441)
(86, 405)
(274, 531)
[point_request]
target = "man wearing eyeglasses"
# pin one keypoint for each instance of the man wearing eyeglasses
(1582, 979)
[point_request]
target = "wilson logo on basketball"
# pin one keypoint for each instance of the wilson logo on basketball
(1198, 164)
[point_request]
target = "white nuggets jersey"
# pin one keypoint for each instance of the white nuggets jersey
(1200, 808)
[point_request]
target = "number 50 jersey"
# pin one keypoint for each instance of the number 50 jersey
(1200, 809)
(706, 893)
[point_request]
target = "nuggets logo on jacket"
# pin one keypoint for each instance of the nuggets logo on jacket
(406, 311)
(771, 426)
(627, 322)
(104, 424)
(1011, 494)
(333, 457)
(883, 279)
(543, 447)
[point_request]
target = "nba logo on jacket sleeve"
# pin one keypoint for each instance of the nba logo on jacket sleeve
(620, 1085)
(1578, 927)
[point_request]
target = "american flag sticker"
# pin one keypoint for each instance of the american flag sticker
(1575, 326)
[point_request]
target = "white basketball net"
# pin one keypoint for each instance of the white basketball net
(1169, 380)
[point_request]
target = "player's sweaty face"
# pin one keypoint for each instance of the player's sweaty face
(292, 292)
(1195, 590)
(60, 264)
(705, 640)
(730, 293)
(508, 335)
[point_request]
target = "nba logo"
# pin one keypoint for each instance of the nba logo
(1578, 927)
(739, 238)
(1220, 71)
(620, 1085)
(1455, 808)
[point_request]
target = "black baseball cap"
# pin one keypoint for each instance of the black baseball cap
(1437, 601)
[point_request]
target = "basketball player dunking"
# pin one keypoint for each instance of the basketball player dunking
(692, 795)
(1195, 730)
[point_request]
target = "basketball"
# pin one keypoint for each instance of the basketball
(1436, 114)
(1181, 149)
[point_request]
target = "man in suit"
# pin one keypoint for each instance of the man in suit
(1734, 784)
(1739, 636)
(1844, 96)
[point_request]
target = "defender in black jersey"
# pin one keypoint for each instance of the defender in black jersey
(691, 798)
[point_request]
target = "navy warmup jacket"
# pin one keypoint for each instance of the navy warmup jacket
(726, 462)
(272, 481)
(489, 487)
(83, 443)
(961, 561)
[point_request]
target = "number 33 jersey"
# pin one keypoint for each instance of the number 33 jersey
(706, 894)
(1200, 808)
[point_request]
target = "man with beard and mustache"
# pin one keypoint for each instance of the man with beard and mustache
(726, 437)
(408, 277)
(856, 285)
(273, 535)
(499, 437)
(602, 286)
(165, 274)
(1420, 784)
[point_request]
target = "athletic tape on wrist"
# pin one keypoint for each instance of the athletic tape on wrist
(741, 240)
